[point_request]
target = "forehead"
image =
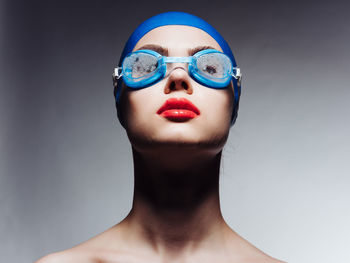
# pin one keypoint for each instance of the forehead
(177, 38)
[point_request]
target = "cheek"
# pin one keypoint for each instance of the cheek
(218, 108)
(139, 109)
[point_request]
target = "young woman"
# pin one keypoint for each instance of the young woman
(177, 91)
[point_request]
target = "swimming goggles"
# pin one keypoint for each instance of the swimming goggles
(209, 67)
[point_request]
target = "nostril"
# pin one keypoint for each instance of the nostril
(172, 86)
(185, 85)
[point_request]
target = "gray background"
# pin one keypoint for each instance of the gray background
(65, 162)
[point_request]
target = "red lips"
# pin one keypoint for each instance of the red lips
(178, 109)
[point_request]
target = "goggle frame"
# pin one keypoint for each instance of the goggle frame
(160, 72)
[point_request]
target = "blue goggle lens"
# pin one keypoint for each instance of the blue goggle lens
(140, 65)
(213, 65)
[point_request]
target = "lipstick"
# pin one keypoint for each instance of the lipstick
(178, 109)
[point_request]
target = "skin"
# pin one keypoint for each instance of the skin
(175, 216)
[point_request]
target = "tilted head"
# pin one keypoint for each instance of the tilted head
(180, 57)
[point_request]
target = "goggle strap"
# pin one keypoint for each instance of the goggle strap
(118, 73)
(236, 73)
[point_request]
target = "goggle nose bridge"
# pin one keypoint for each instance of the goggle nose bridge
(166, 60)
(177, 59)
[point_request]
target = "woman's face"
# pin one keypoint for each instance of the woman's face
(147, 129)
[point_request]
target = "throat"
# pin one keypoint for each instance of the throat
(165, 188)
(176, 208)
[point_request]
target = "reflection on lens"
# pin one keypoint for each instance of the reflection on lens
(140, 64)
(213, 65)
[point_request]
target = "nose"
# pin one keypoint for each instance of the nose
(178, 80)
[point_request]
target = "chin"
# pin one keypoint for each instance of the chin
(207, 134)
(178, 137)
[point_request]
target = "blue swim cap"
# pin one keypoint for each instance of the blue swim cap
(176, 18)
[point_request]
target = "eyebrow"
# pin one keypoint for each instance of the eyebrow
(165, 51)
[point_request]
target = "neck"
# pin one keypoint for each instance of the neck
(176, 202)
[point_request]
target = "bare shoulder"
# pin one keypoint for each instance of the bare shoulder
(240, 250)
(256, 259)
(273, 260)
(260, 257)
(94, 256)
(104, 247)
(68, 256)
